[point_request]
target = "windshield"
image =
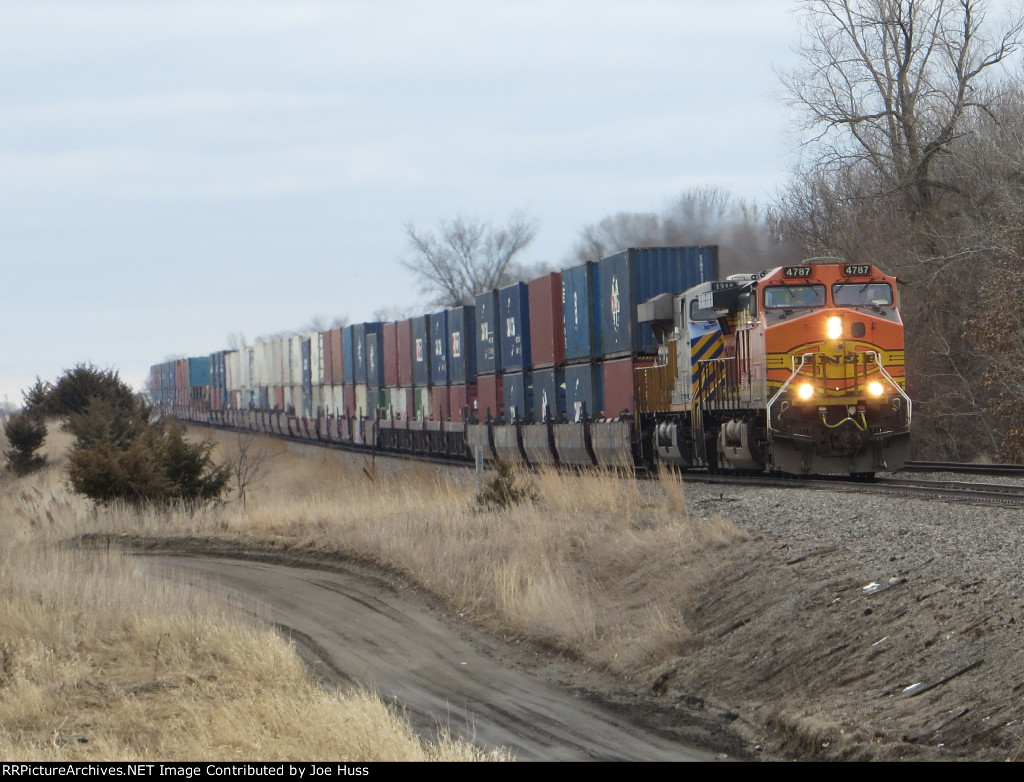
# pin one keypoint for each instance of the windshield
(862, 294)
(788, 297)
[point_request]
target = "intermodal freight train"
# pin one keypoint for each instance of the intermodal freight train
(644, 357)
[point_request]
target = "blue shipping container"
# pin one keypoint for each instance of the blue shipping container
(633, 276)
(581, 312)
(487, 343)
(348, 349)
(359, 333)
(584, 391)
(518, 395)
(199, 372)
(461, 350)
(307, 368)
(439, 348)
(421, 351)
(374, 351)
(514, 320)
(548, 394)
(218, 370)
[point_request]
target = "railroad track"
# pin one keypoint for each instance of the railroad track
(992, 494)
(965, 468)
(973, 492)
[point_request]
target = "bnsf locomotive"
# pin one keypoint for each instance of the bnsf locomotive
(645, 357)
(799, 370)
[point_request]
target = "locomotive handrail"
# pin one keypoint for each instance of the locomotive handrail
(894, 384)
(774, 399)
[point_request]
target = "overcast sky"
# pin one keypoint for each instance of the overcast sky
(172, 172)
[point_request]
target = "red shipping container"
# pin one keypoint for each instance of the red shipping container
(350, 400)
(440, 404)
(547, 331)
(463, 400)
(390, 331)
(404, 346)
(326, 341)
(337, 358)
(490, 396)
(620, 385)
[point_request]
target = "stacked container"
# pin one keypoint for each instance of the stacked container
(547, 347)
(439, 402)
(487, 350)
(462, 392)
(402, 393)
(581, 315)
(421, 365)
(514, 336)
(562, 345)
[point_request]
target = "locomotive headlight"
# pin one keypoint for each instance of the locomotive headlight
(875, 388)
(835, 327)
(805, 391)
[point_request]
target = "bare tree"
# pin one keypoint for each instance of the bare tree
(396, 312)
(249, 466)
(705, 215)
(886, 86)
(466, 256)
(909, 163)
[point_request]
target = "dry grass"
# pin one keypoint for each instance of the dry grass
(601, 566)
(99, 661)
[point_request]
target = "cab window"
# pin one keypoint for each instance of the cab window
(697, 313)
(862, 294)
(789, 297)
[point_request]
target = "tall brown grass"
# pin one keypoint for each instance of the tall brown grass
(100, 661)
(600, 566)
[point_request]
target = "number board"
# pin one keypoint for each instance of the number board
(857, 269)
(798, 271)
(725, 285)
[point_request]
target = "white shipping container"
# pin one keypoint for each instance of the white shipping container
(252, 377)
(327, 401)
(316, 365)
(362, 401)
(319, 402)
(294, 361)
(399, 408)
(338, 400)
(275, 362)
(268, 363)
(322, 349)
(299, 401)
(233, 371)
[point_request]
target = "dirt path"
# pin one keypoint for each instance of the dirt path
(351, 625)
